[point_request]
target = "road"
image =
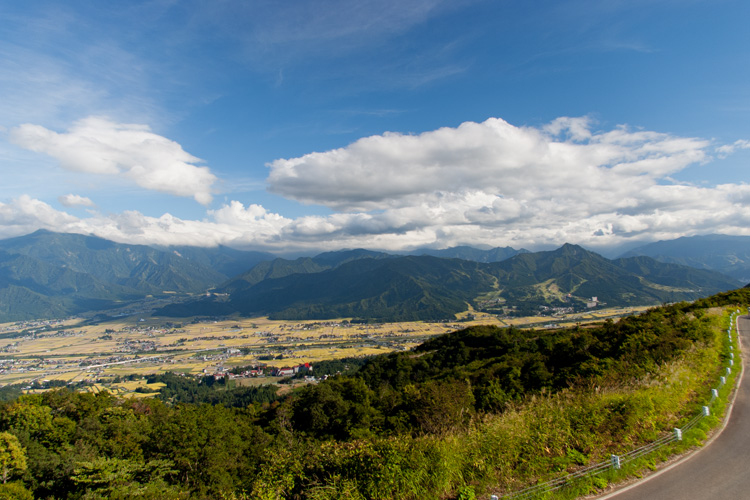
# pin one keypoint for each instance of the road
(718, 471)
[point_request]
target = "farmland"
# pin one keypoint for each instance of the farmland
(78, 351)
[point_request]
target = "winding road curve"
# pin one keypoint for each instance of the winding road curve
(721, 470)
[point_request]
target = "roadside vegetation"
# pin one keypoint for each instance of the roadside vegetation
(479, 411)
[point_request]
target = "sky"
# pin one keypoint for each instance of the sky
(308, 126)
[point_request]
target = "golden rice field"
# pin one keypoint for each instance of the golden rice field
(148, 345)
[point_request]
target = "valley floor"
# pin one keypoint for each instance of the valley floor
(73, 351)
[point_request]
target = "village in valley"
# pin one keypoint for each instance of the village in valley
(119, 353)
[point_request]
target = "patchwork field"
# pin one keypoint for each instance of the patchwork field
(63, 352)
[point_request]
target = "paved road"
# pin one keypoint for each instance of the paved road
(719, 471)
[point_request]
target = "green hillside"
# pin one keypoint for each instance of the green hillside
(430, 288)
(400, 289)
(64, 274)
(469, 253)
(475, 412)
(229, 262)
(584, 274)
(280, 268)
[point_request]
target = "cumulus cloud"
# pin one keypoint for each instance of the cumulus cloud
(470, 218)
(25, 215)
(97, 145)
(566, 159)
(495, 183)
(74, 200)
(485, 183)
(233, 225)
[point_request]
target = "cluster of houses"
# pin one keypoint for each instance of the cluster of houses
(20, 365)
(555, 311)
(263, 370)
(136, 346)
(31, 326)
(294, 370)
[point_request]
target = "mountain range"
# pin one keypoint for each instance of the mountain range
(474, 254)
(47, 274)
(727, 254)
(402, 288)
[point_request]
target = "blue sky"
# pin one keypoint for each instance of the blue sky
(302, 126)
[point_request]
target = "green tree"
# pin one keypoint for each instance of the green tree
(114, 478)
(14, 491)
(12, 455)
(339, 408)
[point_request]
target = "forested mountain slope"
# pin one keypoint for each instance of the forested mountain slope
(279, 268)
(46, 274)
(430, 288)
(469, 253)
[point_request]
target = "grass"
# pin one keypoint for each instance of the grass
(685, 388)
(545, 436)
(542, 437)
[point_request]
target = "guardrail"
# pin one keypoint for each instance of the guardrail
(617, 461)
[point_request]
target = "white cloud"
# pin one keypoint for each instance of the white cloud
(25, 215)
(469, 218)
(99, 146)
(578, 128)
(480, 184)
(727, 149)
(497, 184)
(232, 225)
(565, 159)
(74, 200)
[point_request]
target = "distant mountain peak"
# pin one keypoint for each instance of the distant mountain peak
(569, 250)
(465, 252)
(727, 254)
(572, 247)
